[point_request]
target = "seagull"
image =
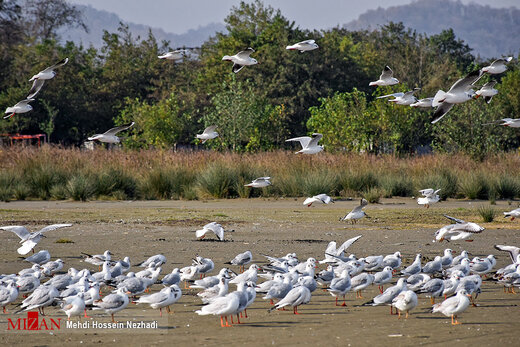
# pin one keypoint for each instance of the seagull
(360, 282)
(414, 268)
(166, 297)
(433, 266)
(30, 240)
(426, 102)
(386, 78)
(461, 91)
(299, 295)
(357, 212)
(21, 107)
(241, 59)
(8, 294)
(242, 259)
(39, 258)
(340, 286)
(172, 278)
(393, 260)
(307, 45)
(434, 288)
(405, 301)
(260, 182)
(430, 196)
(74, 305)
(512, 250)
(208, 134)
(507, 122)
(388, 295)
(453, 306)
(498, 66)
(213, 227)
(309, 144)
(487, 91)
(333, 254)
(97, 259)
(173, 55)
(43, 296)
(157, 260)
(320, 198)
(110, 135)
(221, 306)
(383, 277)
(447, 258)
(461, 230)
(113, 303)
(40, 77)
(513, 214)
(402, 98)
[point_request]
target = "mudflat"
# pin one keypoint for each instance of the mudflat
(139, 229)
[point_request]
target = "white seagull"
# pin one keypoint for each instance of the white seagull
(426, 102)
(430, 196)
(498, 66)
(357, 212)
(307, 45)
(113, 303)
(402, 98)
(487, 91)
(21, 107)
(260, 182)
(213, 227)
(40, 77)
(173, 55)
(30, 240)
(405, 301)
(386, 78)
(74, 305)
(320, 198)
(39, 258)
(297, 296)
(461, 91)
(242, 259)
(461, 230)
(453, 306)
(110, 135)
(166, 297)
(241, 59)
(508, 122)
(208, 134)
(309, 144)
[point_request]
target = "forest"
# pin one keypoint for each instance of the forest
(287, 94)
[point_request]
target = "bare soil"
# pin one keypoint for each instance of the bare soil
(139, 229)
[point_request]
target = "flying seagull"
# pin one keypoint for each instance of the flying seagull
(241, 59)
(47, 74)
(461, 91)
(110, 135)
(487, 91)
(21, 107)
(307, 45)
(208, 134)
(402, 98)
(260, 182)
(30, 240)
(173, 55)
(320, 198)
(309, 144)
(386, 78)
(498, 66)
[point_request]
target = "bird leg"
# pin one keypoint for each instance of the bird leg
(391, 310)
(344, 303)
(221, 321)
(238, 318)
(398, 314)
(4, 310)
(272, 302)
(85, 310)
(381, 289)
(295, 310)
(456, 322)
(160, 311)
(432, 300)
(227, 324)
(406, 317)
(245, 311)
(113, 320)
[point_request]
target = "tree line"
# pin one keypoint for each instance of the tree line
(287, 94)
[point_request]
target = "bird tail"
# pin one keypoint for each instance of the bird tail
(438, 98)
(369, 303)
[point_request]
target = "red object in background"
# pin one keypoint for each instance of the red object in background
(32, 321)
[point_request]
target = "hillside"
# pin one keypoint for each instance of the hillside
(97, 21)
(491, 32)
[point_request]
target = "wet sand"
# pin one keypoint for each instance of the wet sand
(277, 226)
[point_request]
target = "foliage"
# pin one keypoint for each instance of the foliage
(488, 213)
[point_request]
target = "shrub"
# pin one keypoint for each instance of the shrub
(359, 181)
(115, 180)
(21, 191)
(319, 182)
(507, 187)
(474, 186)
(59, 192)
(397, 186)
(488, 213)
(373, 195)
(80, 188)
(217, 181)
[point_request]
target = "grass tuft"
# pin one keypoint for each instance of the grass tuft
(488, 213)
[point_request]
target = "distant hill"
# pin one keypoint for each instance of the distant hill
(491, 32)
(98, 20)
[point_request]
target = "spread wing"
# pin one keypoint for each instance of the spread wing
(115, 130)
(512, 250)
(58, 64)
(426, 192)
(464, 83)
(53, 227)
(347, 244)
(307, 42)
(395, 95)
(245, 53)
(304, 140)
(456, 220)
(35, 89)
(20, 231)
(411, 92)
(441, 111)
(316, 137)
(210, 129)
(387, 73)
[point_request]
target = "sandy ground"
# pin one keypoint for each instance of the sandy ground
(143, 228)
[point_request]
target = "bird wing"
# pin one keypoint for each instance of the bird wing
(395, 95)
(115, 130)
(456, 220)
(426, 192)
(23, 102)
(465, 82)
(58, 64)
(387, 73)
(441, 111)
(411, 92)
(490, 84)
(210, 129)
(316, 137)
(347, 244)
(245, 53)
(512, 250)
(304, 140)
(53, 227)
(35, 89)
(20, 231)
(307, 42)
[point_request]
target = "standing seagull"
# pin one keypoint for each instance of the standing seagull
(113, 303)
(173, 55)
(21, 107)
(260, 182)
(40, 77)
(110, 135)
(321, 198)
(39, 258)
(309, 145)
(487, 91)
(357, 212)
(402, 98)
(386, 78)
(461, 91)
(30, 240)
(498, 66)
(307, 45)
(208, 134)
(241, 59)
(242, 259)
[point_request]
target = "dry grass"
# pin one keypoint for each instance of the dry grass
(43, 173)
